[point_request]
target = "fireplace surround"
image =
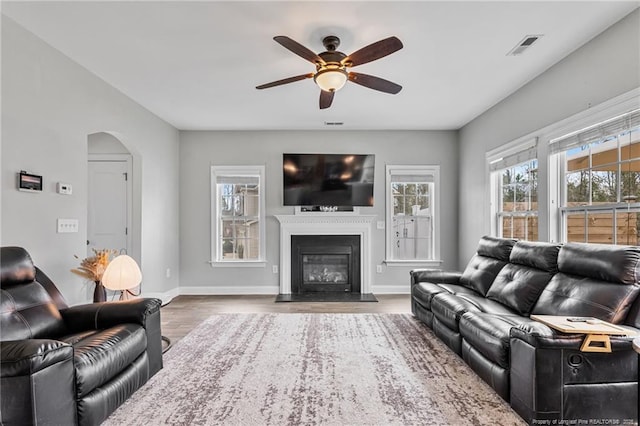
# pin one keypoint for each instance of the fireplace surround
(325, 223)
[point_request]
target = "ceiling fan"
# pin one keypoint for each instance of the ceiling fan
(332, 66)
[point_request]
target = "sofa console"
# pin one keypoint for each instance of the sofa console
(483, 314)
(65, 365)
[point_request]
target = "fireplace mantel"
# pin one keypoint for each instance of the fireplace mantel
(329, 223)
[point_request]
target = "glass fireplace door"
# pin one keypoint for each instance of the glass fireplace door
(326, 272)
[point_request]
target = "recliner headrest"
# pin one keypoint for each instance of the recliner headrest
(498, 248)
(617, 264)
(16, 267)
(539, 255)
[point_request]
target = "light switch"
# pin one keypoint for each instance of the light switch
(380, 224)
(64, 188)
(67, 225)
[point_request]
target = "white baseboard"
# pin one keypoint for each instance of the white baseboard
(392, 289)
(231, 290)
(168, 296)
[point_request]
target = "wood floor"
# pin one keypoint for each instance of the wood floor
(184, 313)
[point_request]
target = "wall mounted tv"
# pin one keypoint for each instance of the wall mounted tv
(328, 179)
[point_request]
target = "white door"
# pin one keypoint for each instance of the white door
(109, 206)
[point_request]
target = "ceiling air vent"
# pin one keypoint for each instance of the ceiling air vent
(524, 44)
(333, 123)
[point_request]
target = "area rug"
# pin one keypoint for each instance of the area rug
(313, 369)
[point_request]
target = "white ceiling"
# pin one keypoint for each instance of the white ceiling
(196, 64)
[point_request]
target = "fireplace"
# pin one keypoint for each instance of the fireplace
(319, 224)
(325, 263)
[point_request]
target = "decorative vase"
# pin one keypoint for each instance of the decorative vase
(99, 293)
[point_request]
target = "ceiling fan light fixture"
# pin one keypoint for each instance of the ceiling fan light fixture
(331, 78)
(331, 66)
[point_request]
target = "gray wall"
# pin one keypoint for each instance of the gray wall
(50, 105)
(104, 143)
(200, 150)
(605, 67)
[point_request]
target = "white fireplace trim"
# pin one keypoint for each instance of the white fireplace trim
(325, 224)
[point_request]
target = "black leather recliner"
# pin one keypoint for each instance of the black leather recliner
(63, 365)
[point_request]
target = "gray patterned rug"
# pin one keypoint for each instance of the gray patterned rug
(313, 369)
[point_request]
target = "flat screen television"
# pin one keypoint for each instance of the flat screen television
(344, 180)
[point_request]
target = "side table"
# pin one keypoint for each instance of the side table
(597, 331)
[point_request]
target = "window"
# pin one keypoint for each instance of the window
(600, 182)
(412, 214)
(237, 215)
(514, 183)
(517, 212)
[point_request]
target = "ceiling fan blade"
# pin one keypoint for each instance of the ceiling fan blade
(299, 49)
(325, 99)
(285, 81)
(374, 51)
(375, 83)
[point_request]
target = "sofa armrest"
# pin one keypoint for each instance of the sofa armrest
(541, 336)
(145, 312)
(552, 379)
(25, 357)
(108, 314)
(37, 382)
(434, 276)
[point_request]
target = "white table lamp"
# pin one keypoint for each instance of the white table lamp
(122, 274)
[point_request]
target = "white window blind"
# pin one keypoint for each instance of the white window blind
(515, 152)
(527, 154)
(237, 180)
(412, 178)
(613, 127)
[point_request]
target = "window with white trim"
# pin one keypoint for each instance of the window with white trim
(517, 212)
(412, 220)
(514, 190)
(237, 208)
(599, 181)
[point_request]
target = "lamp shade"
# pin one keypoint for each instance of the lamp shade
(122, 274)
(331, 79)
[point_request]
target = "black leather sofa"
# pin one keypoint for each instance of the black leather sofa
(483, 314)
(63, 365)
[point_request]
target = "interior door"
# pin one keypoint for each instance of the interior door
(109, 206)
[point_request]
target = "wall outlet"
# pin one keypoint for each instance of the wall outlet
(380, 224)
(274, 268)
(168, 273)
(67, 225)
(379, 269)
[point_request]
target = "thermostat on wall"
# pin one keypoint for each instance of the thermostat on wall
(28, 182)
(64, 188)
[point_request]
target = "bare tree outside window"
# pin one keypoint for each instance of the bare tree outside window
(602, 190)
(518, 211)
